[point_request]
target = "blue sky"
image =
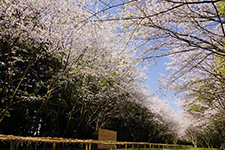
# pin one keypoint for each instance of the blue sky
(153, 75)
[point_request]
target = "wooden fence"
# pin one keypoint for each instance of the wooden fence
(54, 140)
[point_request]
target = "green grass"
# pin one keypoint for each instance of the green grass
(185, 149)
(202, 149)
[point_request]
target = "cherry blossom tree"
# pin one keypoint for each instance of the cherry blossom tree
(81, 56)
(62, 50)
(191, 34)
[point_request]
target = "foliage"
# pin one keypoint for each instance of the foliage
(191, 34)
(72, 66)
(64, 74)
(205, 102)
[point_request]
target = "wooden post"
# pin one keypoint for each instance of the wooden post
(126, 147)
(44, 146)
(12, 146)
(144, 147)
(132, 146)
(30, 146)
(115, 147)
(89, 146)
(86, 146)
(54, 146)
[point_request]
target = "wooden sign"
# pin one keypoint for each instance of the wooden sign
(106, 135)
